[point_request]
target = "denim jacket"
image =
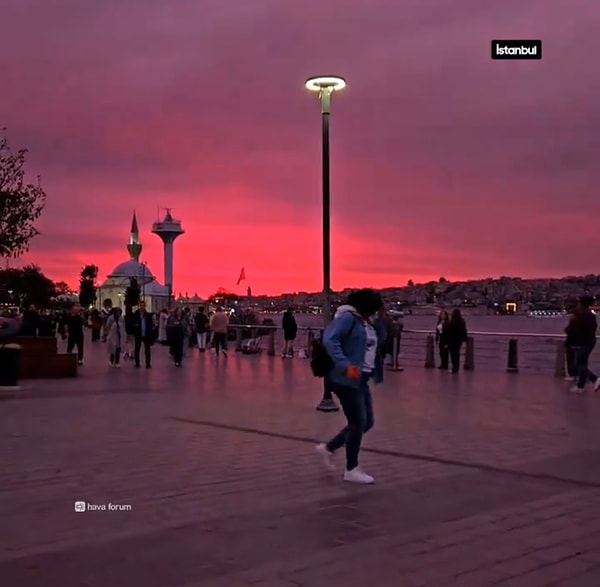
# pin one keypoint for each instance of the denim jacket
(346, 342)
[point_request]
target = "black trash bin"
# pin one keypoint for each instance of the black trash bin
(10, 359)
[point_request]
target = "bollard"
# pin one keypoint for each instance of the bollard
(561, 359)
(271, 349)
(470, 355)
(10, 361)
(239, 343)
(310, 336)
(429, 352)
(513, 356)
(395, 353)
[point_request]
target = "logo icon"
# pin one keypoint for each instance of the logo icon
(525, 49)
(80, 506)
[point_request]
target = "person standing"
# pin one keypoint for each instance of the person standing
(74, 331)
(352, 342)
(201, 321)
(290, 330)
(219, 324)
(441, 339)
(116, 336)
(144, 335)
(455, 334)
(177, 335)
(582, 337)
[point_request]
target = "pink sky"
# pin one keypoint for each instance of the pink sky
(444, 162)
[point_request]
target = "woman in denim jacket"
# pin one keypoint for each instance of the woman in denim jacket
(354, 344)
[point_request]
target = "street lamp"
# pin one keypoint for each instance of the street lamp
(325, 86)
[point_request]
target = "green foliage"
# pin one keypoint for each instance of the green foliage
(25, 286)
(132, 294)
(21, 204)
(87, 285)
(62, 288)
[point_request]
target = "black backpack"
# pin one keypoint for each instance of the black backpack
(320, 361)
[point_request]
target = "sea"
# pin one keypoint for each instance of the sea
(537, 340)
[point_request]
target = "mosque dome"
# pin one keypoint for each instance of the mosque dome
(132, 268)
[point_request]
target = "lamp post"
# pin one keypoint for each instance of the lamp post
(325, 86)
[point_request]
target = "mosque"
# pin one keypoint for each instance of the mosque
(156, 295)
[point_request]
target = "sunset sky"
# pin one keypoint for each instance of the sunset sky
(444, 162)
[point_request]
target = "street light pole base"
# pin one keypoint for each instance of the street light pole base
(327, 405)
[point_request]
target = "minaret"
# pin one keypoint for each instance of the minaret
(134, 247)
(168, 230)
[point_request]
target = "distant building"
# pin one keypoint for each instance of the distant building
(113, 288)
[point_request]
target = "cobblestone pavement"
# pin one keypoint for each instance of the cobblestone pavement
(481, 480)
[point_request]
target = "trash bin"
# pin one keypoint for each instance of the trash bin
(10, 358)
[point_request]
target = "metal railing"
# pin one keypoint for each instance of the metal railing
(417, 346)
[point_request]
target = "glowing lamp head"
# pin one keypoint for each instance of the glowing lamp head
(329, 83)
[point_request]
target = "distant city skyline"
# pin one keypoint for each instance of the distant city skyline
(444, 161)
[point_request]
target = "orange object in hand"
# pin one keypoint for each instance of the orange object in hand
(353, 372)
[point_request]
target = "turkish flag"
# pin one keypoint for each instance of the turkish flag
(242, 276)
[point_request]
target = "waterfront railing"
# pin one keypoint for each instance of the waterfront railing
(512, 352)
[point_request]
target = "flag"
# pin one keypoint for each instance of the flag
(242, 276)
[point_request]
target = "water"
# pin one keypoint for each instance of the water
(490, 333)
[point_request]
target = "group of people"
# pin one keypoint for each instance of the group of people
(450, 334)
(127, 335)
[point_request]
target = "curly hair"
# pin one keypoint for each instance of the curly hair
(366, 301)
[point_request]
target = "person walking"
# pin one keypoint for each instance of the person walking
(290, 330)
(144, 335)
(441, 339)
(352, 342)
(177, 335)
(218, 326)
(201, 321)
(455, 334)
(116, 336)
(74, 332)
(581, 333)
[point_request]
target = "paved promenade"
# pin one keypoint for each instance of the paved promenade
(479, 480)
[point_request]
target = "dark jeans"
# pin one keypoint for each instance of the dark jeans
(115, 358)
(76, 341)
(443, 355)
(220, 341)
(177, 344)
(582, 355)
(147, 351)
(454, 352)
(570, 360)
(358, 409)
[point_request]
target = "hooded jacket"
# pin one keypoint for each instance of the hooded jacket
(346, 342)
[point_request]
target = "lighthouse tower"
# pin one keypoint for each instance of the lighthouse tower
(168, 230)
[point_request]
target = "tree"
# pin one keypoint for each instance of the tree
(25, 286)
(87, 285)
(132, 294)
(21, 204)
(410, 283)
(62, 288)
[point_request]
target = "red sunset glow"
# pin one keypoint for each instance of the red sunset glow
(444, 162)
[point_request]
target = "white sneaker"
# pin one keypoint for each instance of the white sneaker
(326, 456)
(357, 475)
(597, 384)
(576, 389)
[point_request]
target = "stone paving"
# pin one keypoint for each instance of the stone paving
(480, 480)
